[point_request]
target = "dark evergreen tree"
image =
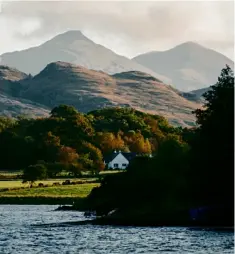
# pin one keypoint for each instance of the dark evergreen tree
(213, 145)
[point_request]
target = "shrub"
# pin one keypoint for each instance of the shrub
(34, 172)
(66, 182)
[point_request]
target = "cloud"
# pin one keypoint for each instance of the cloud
(127, 28)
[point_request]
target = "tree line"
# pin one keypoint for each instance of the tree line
(76, 142)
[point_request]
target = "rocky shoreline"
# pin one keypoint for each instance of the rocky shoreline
(142, 219)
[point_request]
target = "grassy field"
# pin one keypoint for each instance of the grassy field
(13, 191)
(19, 184)
(63, 173)
(77, 191)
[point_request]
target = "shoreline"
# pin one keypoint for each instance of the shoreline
(105, 221)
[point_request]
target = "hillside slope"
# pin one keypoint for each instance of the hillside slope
(13, 107)
(10, 86)
(64, 83)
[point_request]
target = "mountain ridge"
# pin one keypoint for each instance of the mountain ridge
(184, 44)
(73, 47)
(85, 89)
(187, 66)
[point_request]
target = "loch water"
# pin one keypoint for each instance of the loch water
(20, 234)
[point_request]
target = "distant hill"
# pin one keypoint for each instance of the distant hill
(198, 93)
(11, 74)
(72, 47)
(195, 95)
(10, 87)
(190, 66)
(65, 83)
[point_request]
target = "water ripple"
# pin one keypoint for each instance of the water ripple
(18, 236)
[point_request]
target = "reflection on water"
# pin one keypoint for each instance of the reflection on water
(18, 235)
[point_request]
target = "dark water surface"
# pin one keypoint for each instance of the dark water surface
(18, 235)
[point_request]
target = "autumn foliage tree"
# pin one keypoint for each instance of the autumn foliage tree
(67, 155)
(137, 143)
(109, 142)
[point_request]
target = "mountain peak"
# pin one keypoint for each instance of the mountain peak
(189, 45)
(55, 66)
(60, 68)
(136, 75)
(189, 65)
(64, 65)
(69, 36)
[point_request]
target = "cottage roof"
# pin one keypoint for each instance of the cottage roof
(110, 157)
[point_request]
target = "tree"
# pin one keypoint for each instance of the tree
(138, 144)
(67, 155)
(64, 111)
(85, 162)
(33, 173)
(73, 130)
(5, 123)
(49, 148)
(213, 145)
(94, 154)
(76, 169)
(108, 142)
(53, 169)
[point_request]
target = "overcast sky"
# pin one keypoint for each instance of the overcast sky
(128, 28)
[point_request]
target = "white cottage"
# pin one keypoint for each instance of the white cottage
(118, 160)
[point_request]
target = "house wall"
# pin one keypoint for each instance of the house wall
(120, 160)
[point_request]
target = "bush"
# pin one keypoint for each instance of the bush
(66, 182)
(34, 172)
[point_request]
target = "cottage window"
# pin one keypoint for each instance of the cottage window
(124, 164)
(115, 165)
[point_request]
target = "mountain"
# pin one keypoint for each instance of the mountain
(72, 47)
(190, 66)
(8, 79)
(85, 89)
(196, 95)
(10, 86)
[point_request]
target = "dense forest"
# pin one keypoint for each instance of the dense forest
(190, 167)
(76, 142)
